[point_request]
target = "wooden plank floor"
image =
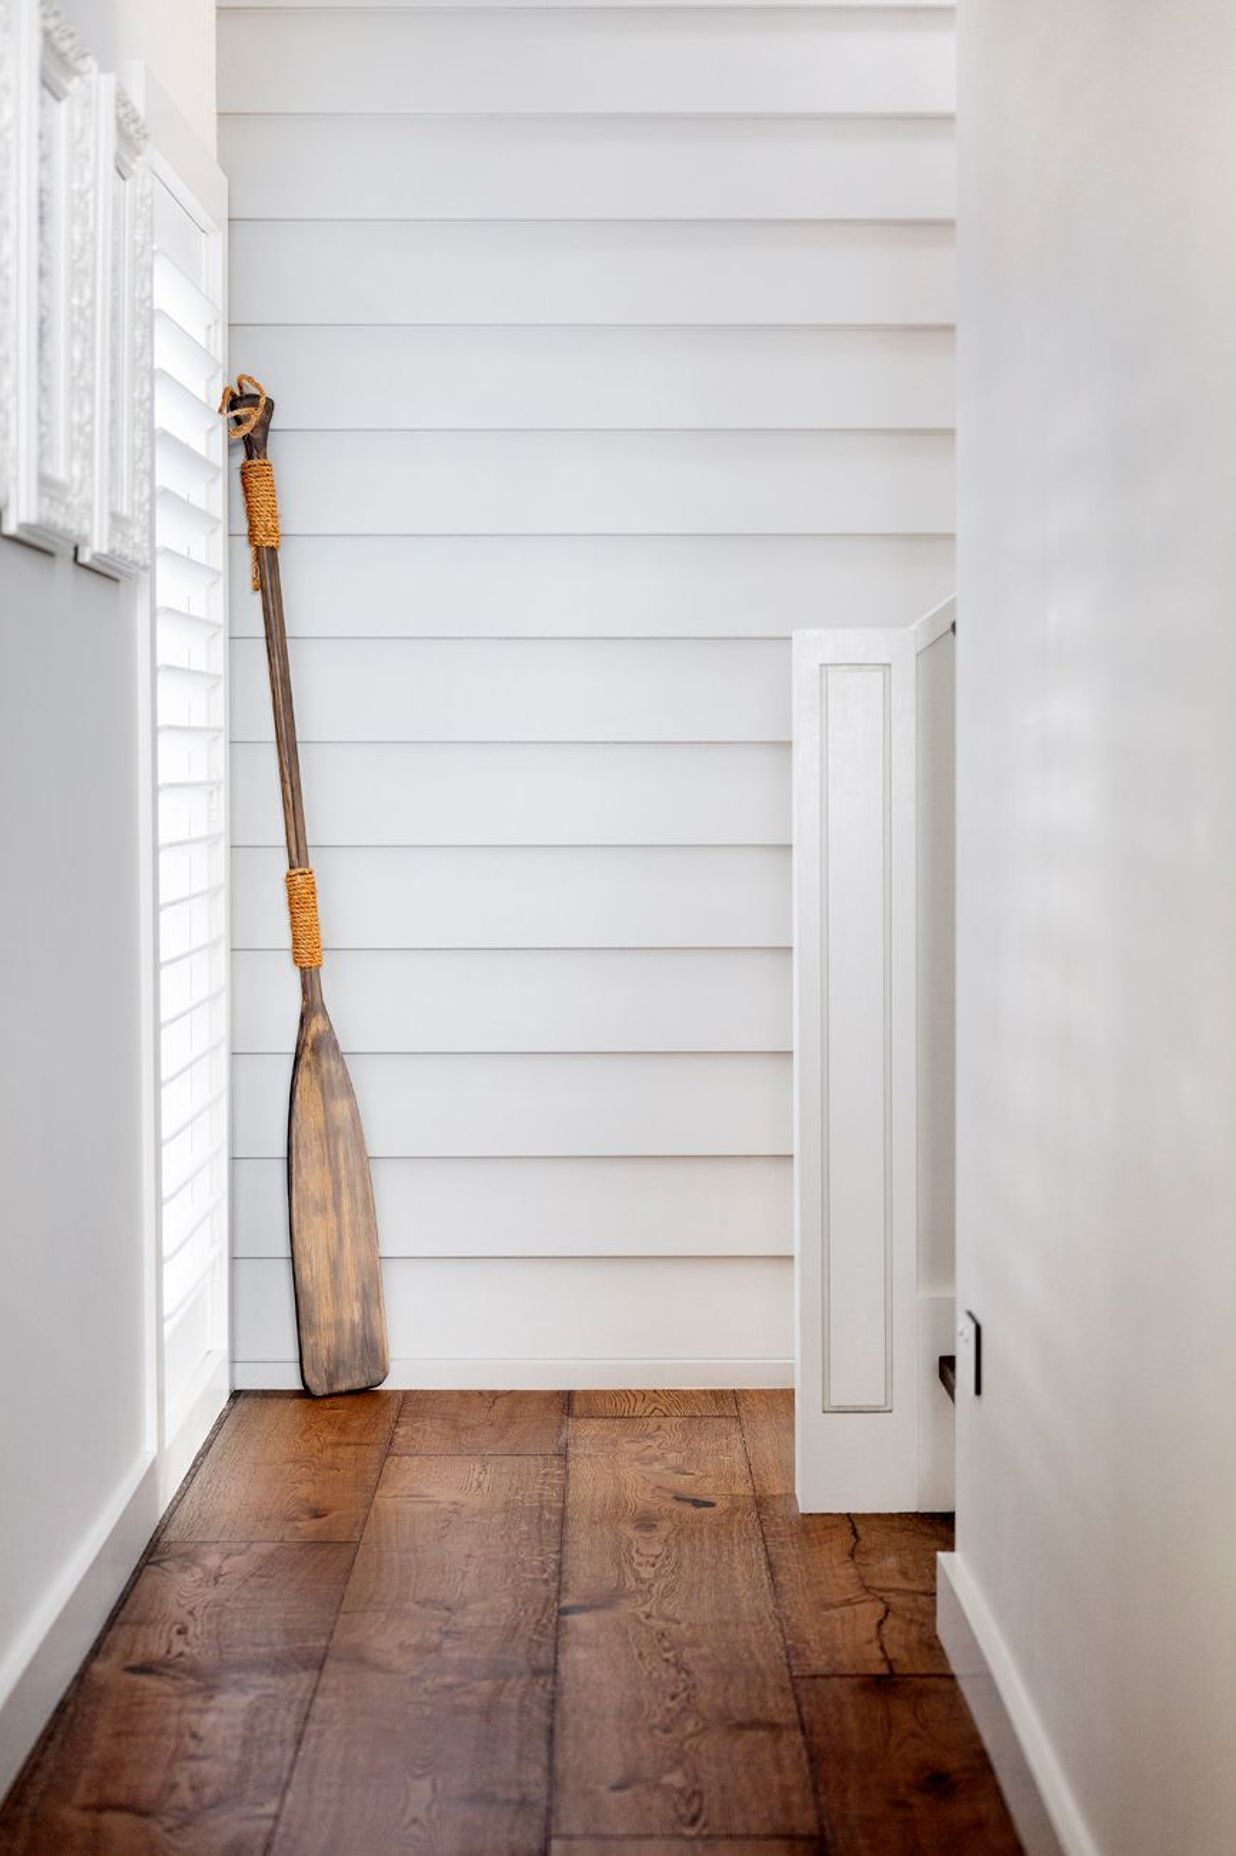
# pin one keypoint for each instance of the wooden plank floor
(515, 1624)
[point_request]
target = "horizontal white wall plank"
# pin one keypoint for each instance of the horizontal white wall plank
(401, 794)
(578, 272)
(460, 1106)
(849, 6)
(536, 379)
(545, 1208)
(655, 896)
(567, 689)
(440, 60)
(491, 1310)
(552, 1000)
(560, 167)
(570, 585)
(493, 483)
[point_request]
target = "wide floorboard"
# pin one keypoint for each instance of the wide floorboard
(515, 1624)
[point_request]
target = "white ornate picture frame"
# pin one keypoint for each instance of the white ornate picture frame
(48, 288)
(120, 519)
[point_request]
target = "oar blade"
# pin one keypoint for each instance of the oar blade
(339, 1309)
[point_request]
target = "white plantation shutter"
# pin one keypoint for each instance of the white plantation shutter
(191, 718)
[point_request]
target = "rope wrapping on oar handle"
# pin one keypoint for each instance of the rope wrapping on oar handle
(257, 480)
(257, 475)
(303, 915)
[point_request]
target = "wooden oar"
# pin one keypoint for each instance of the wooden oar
(339, 1311)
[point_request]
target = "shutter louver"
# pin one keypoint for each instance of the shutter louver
(190, 716)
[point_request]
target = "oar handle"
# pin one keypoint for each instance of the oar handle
(249, 413)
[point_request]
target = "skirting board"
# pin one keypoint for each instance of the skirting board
(200, 1411)
(62, 1628)
(537, 1375)
(1035, 1788)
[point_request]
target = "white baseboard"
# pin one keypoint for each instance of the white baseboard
(536, 1375)
(1039, 1796)
(201, 1406)
(60, 1630)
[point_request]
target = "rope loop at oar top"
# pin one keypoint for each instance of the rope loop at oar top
(242, 419)
(257, 475)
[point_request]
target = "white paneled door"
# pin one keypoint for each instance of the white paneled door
(873, 1087)
(856, 1070)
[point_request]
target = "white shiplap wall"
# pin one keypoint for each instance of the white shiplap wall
(610, 344)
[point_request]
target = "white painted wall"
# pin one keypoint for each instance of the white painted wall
(76, 1335)
(74, 1342)
(609, 345)
(173, 39)
(1097, 901)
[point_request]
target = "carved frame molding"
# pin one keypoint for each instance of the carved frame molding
(119, 540)
(75, 298)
